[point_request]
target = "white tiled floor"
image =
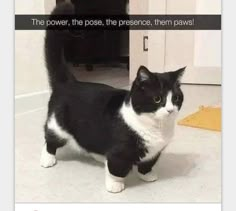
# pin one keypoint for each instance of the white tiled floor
(189, 170)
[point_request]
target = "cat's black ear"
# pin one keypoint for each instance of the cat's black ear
(178, 74)
(143, 74)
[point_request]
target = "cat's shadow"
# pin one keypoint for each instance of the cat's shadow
(169, 165)
(68, 154)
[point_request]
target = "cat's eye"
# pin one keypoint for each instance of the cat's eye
(176, 98)
(157, 99)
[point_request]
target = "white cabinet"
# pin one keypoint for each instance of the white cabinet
(168, 50)
(156, 38)
(138, 42)
(144, 43)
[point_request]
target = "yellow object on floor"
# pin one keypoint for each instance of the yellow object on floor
(208, 118)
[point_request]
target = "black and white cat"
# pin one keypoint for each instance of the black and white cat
(122, 128)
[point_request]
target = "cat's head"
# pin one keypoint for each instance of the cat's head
(158, 94)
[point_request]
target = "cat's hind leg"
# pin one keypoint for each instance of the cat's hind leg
(48, 155)
(47, 159)
(55, 138)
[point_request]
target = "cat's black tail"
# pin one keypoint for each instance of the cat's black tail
(55, 40)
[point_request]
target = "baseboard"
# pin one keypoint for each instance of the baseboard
(32, 101)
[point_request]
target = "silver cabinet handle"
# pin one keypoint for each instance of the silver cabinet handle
(145, 48)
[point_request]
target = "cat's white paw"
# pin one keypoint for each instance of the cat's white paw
(47, 160)
(113, 183)
(149, 177)
(114, 187)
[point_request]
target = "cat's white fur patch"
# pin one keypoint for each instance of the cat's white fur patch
(169, 105)
(113, 184)
(149, 177)
(165, 111)
(155, 128)
(47, 160)
(53, 125)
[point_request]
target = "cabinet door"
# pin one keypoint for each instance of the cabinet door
(199, 50)
(156, 39)
(138, 39)
(146, 46)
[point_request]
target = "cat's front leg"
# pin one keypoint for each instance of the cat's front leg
(114, 184)
(145, 171)
(116, 171)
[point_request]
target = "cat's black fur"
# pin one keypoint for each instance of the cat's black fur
(90, 111)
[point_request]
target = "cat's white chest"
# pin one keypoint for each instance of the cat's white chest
(156, 135)
(155, 141)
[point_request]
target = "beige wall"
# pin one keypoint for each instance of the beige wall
(31, 82)
(30, 71)
(49, 5)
